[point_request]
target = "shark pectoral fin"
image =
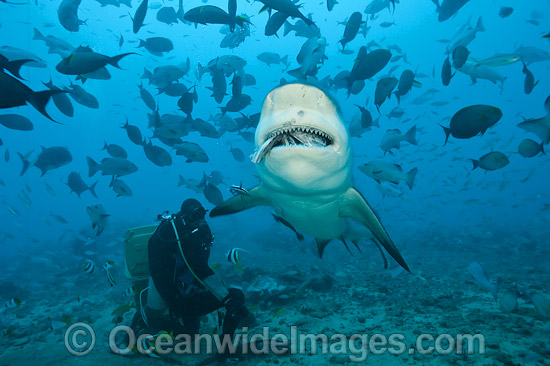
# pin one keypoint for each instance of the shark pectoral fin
(241, 202)
(381, 253)
(346, 245)
(321, 244)
(356, 207)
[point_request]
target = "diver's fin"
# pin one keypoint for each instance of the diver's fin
(321, 245)
(241, 202)
(356, 207)
(381, 253)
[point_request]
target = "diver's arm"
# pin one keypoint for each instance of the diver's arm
(215, 285)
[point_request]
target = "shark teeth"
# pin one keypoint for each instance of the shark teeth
(297, 130)
(292, 136)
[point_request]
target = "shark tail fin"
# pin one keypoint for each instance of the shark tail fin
(39, 100)
(354, 206)
(480, 27)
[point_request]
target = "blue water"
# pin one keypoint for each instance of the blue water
(448, 200)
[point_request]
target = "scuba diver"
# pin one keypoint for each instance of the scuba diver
(182, 287)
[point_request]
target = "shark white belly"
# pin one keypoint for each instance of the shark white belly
(304, 163)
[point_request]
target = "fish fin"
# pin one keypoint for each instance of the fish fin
(92, 189)
(239, 203)
(476, 163)
(321, 245)
(353, 205)
(14, 66)
(26, 163)
(39, 100)
(410, 177)
(539, 127)
(381, 253)
(93, 167)
(346, 245)
(410, 136)
(447, 133)
(356, 243)
(115, 59)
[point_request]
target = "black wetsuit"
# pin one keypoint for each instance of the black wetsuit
(187, 299)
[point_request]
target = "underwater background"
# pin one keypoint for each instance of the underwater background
(450, 217)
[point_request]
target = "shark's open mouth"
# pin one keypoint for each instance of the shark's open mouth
(292, 136)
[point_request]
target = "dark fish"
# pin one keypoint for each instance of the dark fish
(7, 156)
(139, 16)
(368, 64)
(115, 151)
(55, 45)
(448, 8)
(49, 158)
(192, 151)
(59, 218)
(61, 100)
(539, 126)
(134, 134)
(120, 188)
(174, 90)
(167, 15)
(471, 121)
(446, 72)
(237, 154)
(283, 221)
(16, 122)
(77, 185)
(366, 118)
(405, 84)
(505, 11)
(330, 4)
(98, 216)
(111, 166)
(213, 194)
(286, 6)
(352, 27)
(82, 97)
(492, 161)
(460, 56)
(529, 148)
(236, 86)
(384, 88)
(157, 155)
(480, 278)
(529, 82)
(301, 29)
(187, 100)
(219, 85)
(210, 14)
(274, 23)
(204, 128)
(157, 45)
(237, 104)
(147, 97)
(14, 93)
(83, 61)
(67, 15)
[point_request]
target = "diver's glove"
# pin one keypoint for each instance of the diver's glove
(234, 303)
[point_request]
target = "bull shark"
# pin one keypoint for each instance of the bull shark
(304, 163)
